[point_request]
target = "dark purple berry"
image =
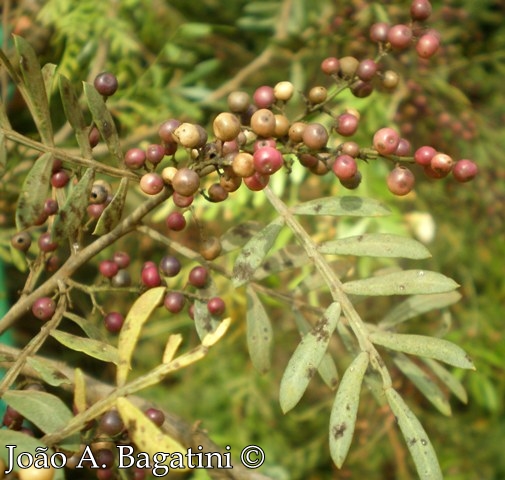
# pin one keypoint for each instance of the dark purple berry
(176, 221)
(170, 266)
(216, 306)
(111, 423)
(198, 276)
(106, 84)
(155, 415)
(174, 302)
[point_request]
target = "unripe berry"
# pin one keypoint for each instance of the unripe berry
(243, 164)
(315, 136)
(350, 148)
(229, 181)
(441, 163)
(186, 182)
(238, 102)
(151, 183)
(21, 241)
(226, 126)
(465, 170)
(295, 132)
(263, 123)
(216, 193)
(281, 126)
(385, 141)
(187, 135)
(390, 79)
(317, 95)
(348, 66)
(330, 66)
(283, 91)
(400, 181)
(210, 248)
(43, 308)
(98, 194)
(106, 84)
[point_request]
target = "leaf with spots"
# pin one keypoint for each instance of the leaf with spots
(406, 282)
(146, 436)
(345, 408)
(259, 332)
(47, 373)
(254, 252)
(239, 235)
(418, 443)
(34, 192)
(70, 217)
(93, 348)
(205, 323)
(376, 245)
(306, 359)
(342, 206)
(424, 346)
(103, 120)
(138, 314)
(111, 215)
(291, 256)
(424, 383)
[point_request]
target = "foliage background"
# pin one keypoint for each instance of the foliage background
(172, 61)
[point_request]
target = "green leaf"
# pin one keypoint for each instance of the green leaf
(376, 245)
(70, 217)
(342, 206)
(423, 346)
(327, 369)
(103, 121)
(424, 383)
(239, 235)
(291, 256)
(345, 409)
(139, 313)
(3, 153)
(25, 443)
(259, 332)
(91, 330)
(416, 305)
(111, 215)
(47, 373)
(305, 360)
(254, 251)
(73, 113)
(93, 348)
(48, 71)
(45, 410)
(406, 282)
(34, 192)
(416, 438)
(447, 378)
(205, 323)
(34, 89)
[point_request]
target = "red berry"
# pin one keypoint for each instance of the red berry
(186, 182)
(122, 259)
(345, 167)
(400, 36)
(174, 302)
(43, 308)
(106, 84)
(386, 141)
(150, 277)
(315, 136)
(465, 170)
(167, 128)
(427, 45)
(441, 164)
(256, 182)
(367, 69)
(347, 124)
(45, 243)
(267, 160)
(216, 306)
(108, 268)
(135, 158)
(400, 181)
(60, 178)
(176, 221)
(403, 148)
(182, 201)
(198, 277)
(420, 10)
(330, 66)
(379, 32)
(50, 206)
(423, 155)
(155, 153)
(113, 322)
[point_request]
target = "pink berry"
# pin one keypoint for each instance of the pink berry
(347, 124)
(135, 158)
(256, 182)
(465, 170)
(441, 163)
(427, 45)
(46, 244)
(174, 302)
(400, 36)
(403, 148)
(345, 167)
(379, 32)
(400, 181)
(330, 66)
(43, 308)
(420, 10)
(122, 259)
(155, 153)
(267, 160)
(176, 221)
(60, 178)
(151, 183)
(150, 277)
(423, 155)
(113, 322)
(108, 268)
(386, 141)
(264, 96)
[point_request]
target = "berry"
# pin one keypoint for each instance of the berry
(216, 306)
(155, 415)
(229, 181)
(308, 160)
(52, 263)
(281, 125)
(390, 79)
(135, 158)
(155, 153)
(170, 266)
(379, 32)
(345, 167)
(21, 241)
(182, 201)
(46, 244)
(420, 10)
(400, 36)
(400, 181)
(216, 193)
(330, 66)
(121, 279)
(317, 95)
(403, 148)
(423, 155)
(43, 308)
(111, 423)
(243, 164)
(295, 132)
(176, 221)
(150, 277)
(98, 194)
(108, 268)
(264, 142)
(267, 160)
(190, 136)
(386, 141)
(361, 89)
(151, 183)
(106, 84)
(427, 45)
(348, 67)
(166, 130)
(465, 170)
(226, 126)
(257, 181)
(122, 259)
(210, 248)
(113, 322)
(186, 182)
(315, 136)
(238, 102)
(198, 277)
(367, 69)
(60, 178)
(441, 164)
(347, 124)
(94, 211)
(174, 302)
(353, 182)
(283, 91)
(93, 136)
(350, 148)
(263, 123)
(50, 206)
(264, 97)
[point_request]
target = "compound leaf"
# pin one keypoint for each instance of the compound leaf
(342, 206)
(424, 346)
(406, 282)
(345, 408)
(376, 245)
(305, 360)
(138, 314)
(416, 438)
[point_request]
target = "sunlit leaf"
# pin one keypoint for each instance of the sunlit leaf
(259, 332)
(406, 282)
(345, 206)
(305, 360)
(35, 89)
(111, 215)
(48, 374)
(80, 402)
(173, 343)
(424, 346)
(447, 378)
(103, 120)
(416, 305)
(74, 115)
(424, 383)
(93, 348)
(416, 438)
(376, 245)
(327, 369)
(345, 409)
(70, 217)
(254, 251)
(146, 436)
(34, 192)
(138, 314)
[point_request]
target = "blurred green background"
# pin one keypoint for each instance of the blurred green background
(171, 62)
